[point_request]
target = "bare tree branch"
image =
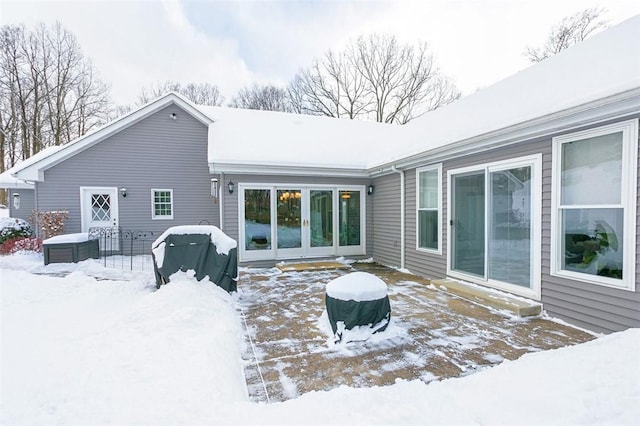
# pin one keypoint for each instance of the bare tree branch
(376, 78)
(569, 31)
(267, 98)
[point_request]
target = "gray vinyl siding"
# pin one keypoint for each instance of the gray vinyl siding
(156, 152)
(27, 203)
(386, 220)
(230, 223)
(595, 307)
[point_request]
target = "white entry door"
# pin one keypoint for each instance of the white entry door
(99, 208)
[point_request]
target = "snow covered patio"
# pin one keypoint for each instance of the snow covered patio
(433, 335)
(81, 344)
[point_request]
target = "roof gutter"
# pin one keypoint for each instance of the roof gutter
(402, 215)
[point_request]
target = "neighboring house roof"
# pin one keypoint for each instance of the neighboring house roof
(593, 81)
(33, 171)
(596, 79)
(7, 180)
(251, 141)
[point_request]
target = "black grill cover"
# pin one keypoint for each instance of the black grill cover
(197, 252)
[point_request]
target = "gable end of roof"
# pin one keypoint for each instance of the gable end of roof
(34, 171)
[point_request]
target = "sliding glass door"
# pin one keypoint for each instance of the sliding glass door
(294, 221)
(468, 227)
(493, 224)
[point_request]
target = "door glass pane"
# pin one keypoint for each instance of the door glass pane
(100, 207)
(289, 218)
(257, 219)
(592, 170)
(349, 214)
(510, 226)
(592, 241)
(321, 218)
(468, 228)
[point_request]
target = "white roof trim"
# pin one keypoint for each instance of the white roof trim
(612, 107)
(35, 170)
(286, 169)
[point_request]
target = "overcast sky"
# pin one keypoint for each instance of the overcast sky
(135, 44)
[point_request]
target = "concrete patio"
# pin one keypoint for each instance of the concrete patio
(433, 334)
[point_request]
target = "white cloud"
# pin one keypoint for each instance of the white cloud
(135, 44)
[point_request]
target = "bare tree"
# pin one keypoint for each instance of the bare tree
(267, 98)
(332, 86)
(198, 93)
(49, 93)
(375, 77)
(569, 31)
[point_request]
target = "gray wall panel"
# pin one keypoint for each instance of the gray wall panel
(386, 220)
(156, 152)
(27, 203)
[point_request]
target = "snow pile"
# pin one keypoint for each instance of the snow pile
(80, 351)
(359, 333)
(76, 350)
(357, 286)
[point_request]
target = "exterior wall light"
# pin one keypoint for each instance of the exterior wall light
(231, 187)
(16, 200)
(123, 192)
(173, 116)
(370, 189)
(214, 188)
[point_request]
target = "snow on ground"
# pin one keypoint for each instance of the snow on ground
(80, 350)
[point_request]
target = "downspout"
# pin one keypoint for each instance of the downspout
(402, 215)
(35, 208)
(221, 202)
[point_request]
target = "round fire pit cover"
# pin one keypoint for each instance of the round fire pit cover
(358, 299)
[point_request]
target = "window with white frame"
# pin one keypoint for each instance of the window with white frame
(429, 186)
(594, 195)
(162, 204)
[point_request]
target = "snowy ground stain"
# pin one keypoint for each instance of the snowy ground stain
(432, 335)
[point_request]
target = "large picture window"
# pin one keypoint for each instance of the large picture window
(594, 205)
(428, 219)
(162, 204)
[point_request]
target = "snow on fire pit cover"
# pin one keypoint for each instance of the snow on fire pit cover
(358, 286)
(357, 306)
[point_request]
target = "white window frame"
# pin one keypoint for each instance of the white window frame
(438, 168)
(628, 201)
(535, 162)
(153, 204)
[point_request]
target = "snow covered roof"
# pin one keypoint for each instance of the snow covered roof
(7, 178)
(594, 74)
(242, 140)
